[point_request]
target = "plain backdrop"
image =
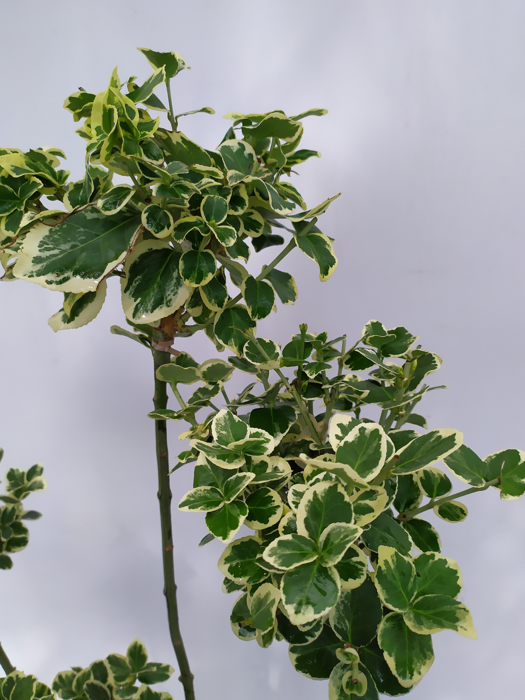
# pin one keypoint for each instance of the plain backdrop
(425, 138)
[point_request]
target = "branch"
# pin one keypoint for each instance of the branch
(5, 663)
(160, 401)
(451, 497)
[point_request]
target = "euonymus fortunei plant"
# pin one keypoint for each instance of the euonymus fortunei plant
(314, 456)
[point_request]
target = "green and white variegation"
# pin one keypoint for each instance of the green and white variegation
(153, 287)
(79, 309)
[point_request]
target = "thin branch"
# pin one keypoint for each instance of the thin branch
(451, 497)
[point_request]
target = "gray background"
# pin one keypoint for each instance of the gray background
(425, 138)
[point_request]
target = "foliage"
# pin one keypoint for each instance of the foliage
(321, 455)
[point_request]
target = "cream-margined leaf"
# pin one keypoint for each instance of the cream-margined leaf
(408, 654)
(79, 309)
(153, 287)
(427, 449)
(197, 267)
(259, 297)
(157, 221)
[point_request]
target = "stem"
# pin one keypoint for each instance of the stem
(183, 405)
(412, 513)
(293, 391)
(5, 663)
(171, 116)
(160, 401)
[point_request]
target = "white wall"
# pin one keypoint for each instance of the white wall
(425, 138)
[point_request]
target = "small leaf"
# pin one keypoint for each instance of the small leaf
(197, 267)
(451, 511)
(318, 247)
(259, 297)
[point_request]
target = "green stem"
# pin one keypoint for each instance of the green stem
(451, 497)
(183, 405)
(171, 114)
(160, 401)
(225, 395)
(293, 391)
(5, 663)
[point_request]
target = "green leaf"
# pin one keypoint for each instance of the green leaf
(275, 421)
(153, 287)
(253, 224)
(214, 209)
(298, 635)
(173, 63)
(387, 532)
(374, 660)
(368, 504)
(317, 659)
(290, 551)
(263, 353)
(142, 93)
(178, 147)
(409, 493)
(76, 255)
(94, 690)
(276, 125)
(398, 343)
(220, 456)
(352, 568)
(309, 591)
(238, 561)
(259, 298)
(271, 197)
(357, 614)
(119, 667)
(434, 483)
(157, 221)
(318, 247)
(227, 428)
(239, 159)
(427, 449)
(116, 199)
(81, 309)
(236, 484)
(201, 500)
(137, 656)
(423, 535)
(467, 466)
(437, 575)
(395, 579)
(239, 619)
(63, 683)
(154, 673)
(451, 511)
(409, 655)
(284, 285)
(197, 267)
(173, 373)
(215, 371)
(225, 522)
(335, 540)
(323, 504)
(265, 508)
(214, 295)
(230, 327)
(512, 474)
(263, 606)
(432, 613)
(316, 211)
(269, 469)
(364, 449)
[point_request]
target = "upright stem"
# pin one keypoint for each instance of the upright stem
(160, 401)
(5, 663)
(171, 114)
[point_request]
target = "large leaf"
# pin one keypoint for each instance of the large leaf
(364, 449)
(467, 466)
(395, 579)
(153, 287)
(276, 421)
(290, 551)
(318, 247)
(385, 531)
(427, 449)
(259, 297)
(225, 522)
(512, 475)
(227, 428)
(203, 499)
(264, 508)
(263, 606)
(309, 591)
(238, 561)
(409, 655)
(357, 614)
(335, 541)
(424, 536)
(230, 327)
(368, 504)
(374, 660)
(323, 504)
(432, 613)
(173, 63)
(77, 254)
(316, 659)
(284, 285)
(437, 575)
(239, 159)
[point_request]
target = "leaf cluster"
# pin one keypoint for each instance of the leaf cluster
(14, 535)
